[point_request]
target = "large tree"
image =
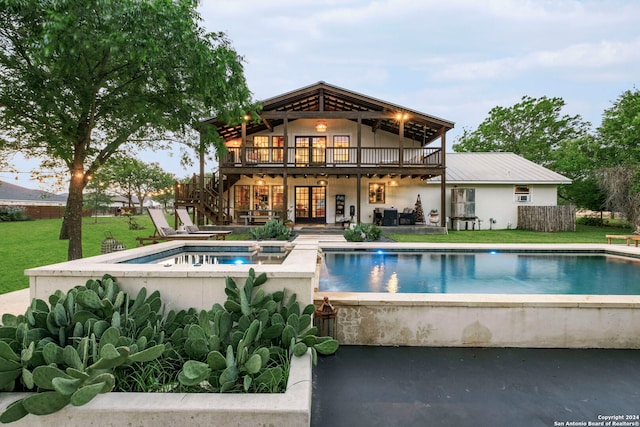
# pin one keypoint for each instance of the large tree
(79, 78)
(574, 158)
(130, 177)
(619, 132)
(619, 156)
(532, 128)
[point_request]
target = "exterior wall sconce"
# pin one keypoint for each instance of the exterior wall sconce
(393, 183)
(321, 126)
(322, 182)
(260, 182)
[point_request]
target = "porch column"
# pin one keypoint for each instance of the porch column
(359, 144)
(285, 197)
(220, 195)
(401, 140)
(285, 159)
(243, 143)
(200, 216)
(358, 204)
(443, 179)
(359, 160)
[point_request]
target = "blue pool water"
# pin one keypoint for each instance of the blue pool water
(488, 273)
(202, 255)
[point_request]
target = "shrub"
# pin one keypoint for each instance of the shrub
(272, 229)
(363, 233)
(11, 213)
(590, 220)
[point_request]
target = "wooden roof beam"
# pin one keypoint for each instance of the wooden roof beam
(326, 115)
(268, 124)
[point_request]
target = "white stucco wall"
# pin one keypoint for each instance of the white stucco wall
(493, 201)
(306, 127)
(496, 201)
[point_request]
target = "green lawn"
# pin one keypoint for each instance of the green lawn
(35, 243)
(31, 244)
(583, 234)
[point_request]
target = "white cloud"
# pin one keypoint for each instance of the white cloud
(582, 59)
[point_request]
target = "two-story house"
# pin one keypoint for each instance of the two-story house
(323, 153)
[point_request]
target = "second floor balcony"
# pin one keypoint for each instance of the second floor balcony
(331, 157)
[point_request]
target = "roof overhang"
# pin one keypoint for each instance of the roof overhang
(325, 101)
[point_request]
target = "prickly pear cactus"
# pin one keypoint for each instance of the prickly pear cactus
(67, 349)
(242, 345)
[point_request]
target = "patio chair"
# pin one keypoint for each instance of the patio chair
(185, 219)
(164, 231)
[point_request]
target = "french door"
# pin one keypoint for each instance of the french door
(311, 205)
(311, 150)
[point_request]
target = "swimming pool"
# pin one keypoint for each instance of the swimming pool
(203, 255)
(187, 284)
(471, 318)
(483, 272)
(381, 318)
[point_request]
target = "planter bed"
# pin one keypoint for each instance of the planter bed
(292, 408)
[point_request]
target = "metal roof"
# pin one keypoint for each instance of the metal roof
(497, 168)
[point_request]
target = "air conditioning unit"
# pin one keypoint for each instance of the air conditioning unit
(523, 197)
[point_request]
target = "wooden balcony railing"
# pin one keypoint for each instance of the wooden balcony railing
(191, 190)
(333, 157)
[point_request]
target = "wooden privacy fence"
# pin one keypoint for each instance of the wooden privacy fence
(547, 218)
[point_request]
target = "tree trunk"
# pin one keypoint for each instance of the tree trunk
(73, 217)
(64, 229)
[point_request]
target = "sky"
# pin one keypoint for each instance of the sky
(453, 59)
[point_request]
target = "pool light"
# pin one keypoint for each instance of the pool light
(493, 252)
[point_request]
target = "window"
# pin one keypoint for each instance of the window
(260, 197)
(310, 150)
(302, 151)
(278, 148)
(341, 149)
(376, 192)
(261, 147)
(242, 200)
(318, 149)
(278, 197)
(522, 193)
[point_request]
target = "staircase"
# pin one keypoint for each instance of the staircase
(204, 202)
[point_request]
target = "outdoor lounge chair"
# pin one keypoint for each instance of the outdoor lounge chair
(191, 228)
(164, 232)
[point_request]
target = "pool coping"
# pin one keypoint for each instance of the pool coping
(296, 274)
(487, 320)
(488, 299)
